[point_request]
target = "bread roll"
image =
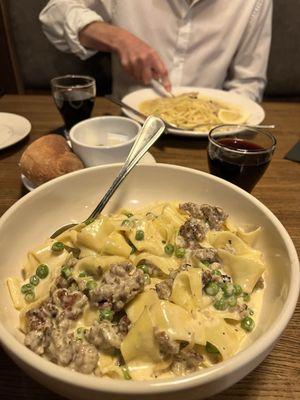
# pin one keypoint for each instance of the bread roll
(48, 157)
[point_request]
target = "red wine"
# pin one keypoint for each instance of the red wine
(243, 169)
(74, 106)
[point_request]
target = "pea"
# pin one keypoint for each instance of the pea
(180, 252)
(66, 272)
(126, 373)
(107, 314)
(147, 279)
(144, 268)
(221, 304)
(206, 263)
(57, 246)
(210, 348)
(228, 289)
(34, 280)
(232, 301)
(29, 297)
(139, 235)
(246, 297)
(211, 289)
(90, 285)
(28, 287)
(80, 333)
(247, 324)
(221, 284)
(217, 272)
(237, 290)
(169, 249)
(82, 274)
(42, 271)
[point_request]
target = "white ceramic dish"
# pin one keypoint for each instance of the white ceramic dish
(59, 202)
(256, 112)
(148, 159)
(13, 128)
(103, 140)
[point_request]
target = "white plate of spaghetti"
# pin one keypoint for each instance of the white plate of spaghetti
(195, 110)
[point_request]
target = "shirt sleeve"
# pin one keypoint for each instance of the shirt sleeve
(62, 20)
(247, 73)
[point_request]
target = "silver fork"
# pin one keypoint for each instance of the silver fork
(150, 132)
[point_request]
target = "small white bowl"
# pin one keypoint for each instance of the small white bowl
(103, 140)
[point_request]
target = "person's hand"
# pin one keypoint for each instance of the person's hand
(141, 61)
(137, 58)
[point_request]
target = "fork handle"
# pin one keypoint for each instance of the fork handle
(150, 132)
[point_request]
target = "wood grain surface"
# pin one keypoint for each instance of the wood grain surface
(278, 377)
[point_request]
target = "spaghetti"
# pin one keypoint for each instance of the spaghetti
(188, 111)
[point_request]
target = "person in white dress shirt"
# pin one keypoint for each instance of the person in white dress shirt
(202, 43)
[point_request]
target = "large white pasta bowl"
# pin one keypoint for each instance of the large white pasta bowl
(71, 198)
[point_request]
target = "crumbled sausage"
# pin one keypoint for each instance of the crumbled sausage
(208, 276)
(72, 302)
(124, 325)
(38, 340)
(192, 231)
(213, 216)
(192, 209)
(186, 362)
(85, 358)
(104, 335)
(166, 345)
(205, 254)
(38, 318)
(164, 288)
(119, 285)
(61, 349)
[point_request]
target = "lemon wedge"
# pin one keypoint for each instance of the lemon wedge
(232, 116)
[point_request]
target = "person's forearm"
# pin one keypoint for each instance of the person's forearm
(101, 36)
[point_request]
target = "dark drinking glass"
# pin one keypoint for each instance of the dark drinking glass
(239, 154)
(74, 96)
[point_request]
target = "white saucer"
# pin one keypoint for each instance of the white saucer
(148, 159)
(13, 128)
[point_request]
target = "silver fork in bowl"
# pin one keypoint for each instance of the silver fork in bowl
(149, 133)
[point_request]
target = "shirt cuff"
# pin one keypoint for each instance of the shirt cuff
(76, 20)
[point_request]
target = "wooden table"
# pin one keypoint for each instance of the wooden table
(278, 377)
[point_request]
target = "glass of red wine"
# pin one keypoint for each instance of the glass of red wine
(74, 96)
(240, 154)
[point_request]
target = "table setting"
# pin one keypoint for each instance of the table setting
(68, 152)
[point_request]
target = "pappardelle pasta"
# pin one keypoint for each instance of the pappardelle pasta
(142, 294)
